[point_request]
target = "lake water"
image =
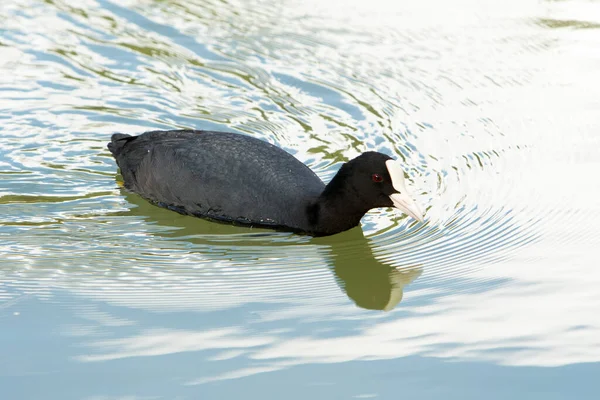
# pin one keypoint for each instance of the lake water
(493, 107)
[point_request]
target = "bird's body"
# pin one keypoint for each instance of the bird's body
(236, 178)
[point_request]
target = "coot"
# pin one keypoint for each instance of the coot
(235, 178)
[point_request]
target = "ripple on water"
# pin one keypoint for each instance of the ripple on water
(84, 72)
(492, 108)
(68, 198)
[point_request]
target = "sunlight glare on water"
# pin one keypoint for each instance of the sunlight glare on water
(492, 107)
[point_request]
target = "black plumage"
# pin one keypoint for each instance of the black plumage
(236, 178)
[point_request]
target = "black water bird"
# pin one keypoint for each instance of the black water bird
(236, 178)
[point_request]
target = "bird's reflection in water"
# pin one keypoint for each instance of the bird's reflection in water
(370, 283)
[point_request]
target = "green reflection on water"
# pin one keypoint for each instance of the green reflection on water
(370, 283)
(569, 23)
(15, 198)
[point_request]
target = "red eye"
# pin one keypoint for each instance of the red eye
(377, 178)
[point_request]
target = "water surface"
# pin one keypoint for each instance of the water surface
(491, 106)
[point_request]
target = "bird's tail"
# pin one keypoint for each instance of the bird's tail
(117, 141)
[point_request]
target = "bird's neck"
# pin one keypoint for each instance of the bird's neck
(337, 209)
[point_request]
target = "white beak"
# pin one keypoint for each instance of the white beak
(402, 199)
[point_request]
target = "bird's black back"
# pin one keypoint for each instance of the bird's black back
(219, 175)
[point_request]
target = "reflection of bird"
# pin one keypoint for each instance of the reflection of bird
(381, 288)
(236, 178)
(370, 283)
